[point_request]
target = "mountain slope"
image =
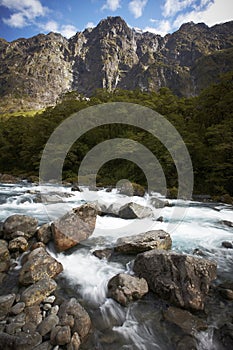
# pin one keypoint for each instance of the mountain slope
(35, 72)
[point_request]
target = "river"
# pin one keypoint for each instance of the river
(191, 224)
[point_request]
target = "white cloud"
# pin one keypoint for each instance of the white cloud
(136, 7)
(90, 25)
(162, 28)
(111, 5)
(217, 12)
(68, 30)
(50, 26)
(25, 12)
(172, 7)
(16, 20)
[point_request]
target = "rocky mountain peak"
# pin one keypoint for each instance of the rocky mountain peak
(36, 71)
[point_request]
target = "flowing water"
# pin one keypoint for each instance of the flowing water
(192, 225)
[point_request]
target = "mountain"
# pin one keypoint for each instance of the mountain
(35, 72)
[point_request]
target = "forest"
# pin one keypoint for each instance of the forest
(205, 123)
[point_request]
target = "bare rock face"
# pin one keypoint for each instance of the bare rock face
(156, 239)
(74, 227)
(39, 265)
(111, 56)
(135, 211)
(23, 223)
(181, 279)
(125, 288)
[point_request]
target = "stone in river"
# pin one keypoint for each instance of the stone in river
(126, 288)
(155, 239)
(74, 227)
(37, 292)
(23, 223)
(135, 211)
(181, 279)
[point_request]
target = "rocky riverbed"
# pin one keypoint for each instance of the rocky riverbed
(157, 298)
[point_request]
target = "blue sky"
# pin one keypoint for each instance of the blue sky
(25, 18)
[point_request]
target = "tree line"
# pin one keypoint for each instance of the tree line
(205, 123)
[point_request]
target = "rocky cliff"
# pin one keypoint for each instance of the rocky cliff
(34, 72)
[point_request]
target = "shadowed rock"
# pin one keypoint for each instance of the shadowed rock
(181, 279)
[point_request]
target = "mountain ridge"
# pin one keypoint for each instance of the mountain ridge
(35, 72)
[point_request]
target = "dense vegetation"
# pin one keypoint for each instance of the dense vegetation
(204, 122)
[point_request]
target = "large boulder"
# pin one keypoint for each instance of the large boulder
(39, 265)
(24, 223)
(79, 321)
(134, 211)
(126, 288)
(74, 227)
(181, 279)
(37, 292)
(155, 239)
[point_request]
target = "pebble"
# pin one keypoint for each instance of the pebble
(47, 307)
(49, 299)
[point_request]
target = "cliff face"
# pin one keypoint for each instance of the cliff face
(36, 71)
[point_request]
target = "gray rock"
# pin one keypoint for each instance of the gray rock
(33, 314)
(74, 227)
(6, 302)
(37, 292)
(17, 308)
(4, 256)
(47, 324)
(226, 223)
(39, 265)
(135, 211)
(126, 288)
(44, 233)
(54, 310)
(187, 342)
(14, 327)
(18, 244)
(46, 345)
(21, 341)
(181, 279)
(60, 335)
(22, 223)
(158, 203)
(103, 253)
(81, 319)
(189, 323)
(156, 239)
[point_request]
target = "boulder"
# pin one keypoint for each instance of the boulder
(81, 319)
(4, 256)
(60, 335)
(23, 223)
(39, 265)
(6, 302)
(19, 341)
(126, 288)
(131, 189)
(103, 253)
(44, 233)
(18, 244)
(38, 291)
(47, 324)
(155, 239)
(74, 227)
(181, 279)
(187, 322)
(226, 244)
(33, 315)
(17, 308)
(158, 203)
(134, 211)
